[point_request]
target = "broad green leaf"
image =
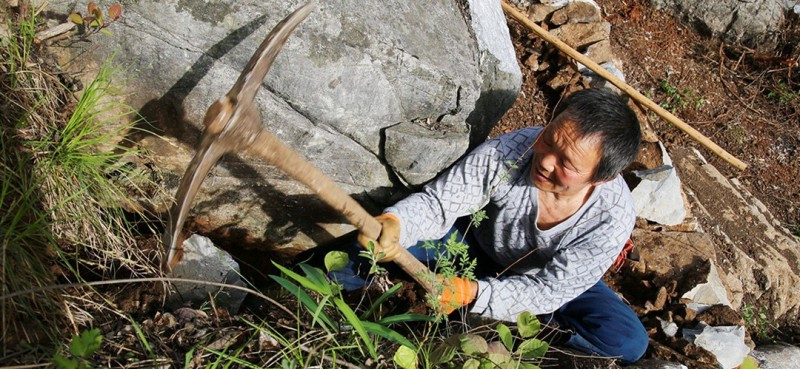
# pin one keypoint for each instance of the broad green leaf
(473, 344)
(532, 348)
(497, 347)
(497, 360)
(445, 351)
(405, 358)
(305, 282)
(505, 335)
(351, 317)
(336, 260)
(388, 333)
(472, 364)
(76, 18)
(528, 366)
(86, 344)
(528, 324)
(749, 363)
(115, 11)
(64, 363)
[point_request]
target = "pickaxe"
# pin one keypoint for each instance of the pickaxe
(232, 124)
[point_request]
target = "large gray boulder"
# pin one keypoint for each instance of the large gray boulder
(351, 72)
(753, 22)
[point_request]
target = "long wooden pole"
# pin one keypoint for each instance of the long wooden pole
(602, 72)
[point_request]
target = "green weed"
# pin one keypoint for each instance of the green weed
(81, 349)
(783, 94)
(678, 99)
(758, 322)
(322, 299)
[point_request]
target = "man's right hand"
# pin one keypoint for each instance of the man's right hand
(388, 243)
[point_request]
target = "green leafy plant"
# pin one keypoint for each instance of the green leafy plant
(783, 94)
(323, 300)
(474, 351)
(677, 98)
(758, 322)
(81, 349)
(94, 21)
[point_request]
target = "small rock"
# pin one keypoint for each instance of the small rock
(185, 315)
(705, 295)
(578, 35)
(561, 79)
(577, 12)
(725, 342)
(670, 329)
(532, 61)
(166, 320)
(600, 52)
(777, 356)
(598, 82)
(539, 12)
(203, 261)
(658, 196)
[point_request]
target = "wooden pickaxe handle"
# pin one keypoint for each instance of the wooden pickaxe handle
(282, 156)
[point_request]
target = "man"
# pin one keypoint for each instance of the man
(558, 214)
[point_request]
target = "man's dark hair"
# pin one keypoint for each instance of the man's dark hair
(602, 113)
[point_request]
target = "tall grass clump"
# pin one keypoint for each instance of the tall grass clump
(69, 186)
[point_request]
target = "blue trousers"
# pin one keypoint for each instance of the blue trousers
(598, 321)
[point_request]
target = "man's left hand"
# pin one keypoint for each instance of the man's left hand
(456, 292)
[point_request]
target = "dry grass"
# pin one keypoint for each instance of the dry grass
(68, 186)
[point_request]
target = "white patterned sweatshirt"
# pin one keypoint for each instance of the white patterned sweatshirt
(548, 267)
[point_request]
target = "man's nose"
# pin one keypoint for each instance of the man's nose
(547, 160)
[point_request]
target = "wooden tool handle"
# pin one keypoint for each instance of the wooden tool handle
(282, 156)
(602, 72)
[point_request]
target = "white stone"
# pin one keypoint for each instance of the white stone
(712, 292)
(599, 82)
(777, 356)
(725, 342)
(491, 30)
(658, 197)
(203, 261)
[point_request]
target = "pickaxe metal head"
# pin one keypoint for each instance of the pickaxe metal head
(231, 123)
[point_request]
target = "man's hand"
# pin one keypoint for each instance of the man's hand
(388, 243)
(456, 293)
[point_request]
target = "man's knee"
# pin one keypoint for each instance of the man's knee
(632, 346)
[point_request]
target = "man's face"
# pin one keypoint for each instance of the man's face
(564, 163)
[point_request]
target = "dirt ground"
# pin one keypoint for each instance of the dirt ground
(744, 100)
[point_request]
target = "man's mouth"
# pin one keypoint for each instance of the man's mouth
(540, 175)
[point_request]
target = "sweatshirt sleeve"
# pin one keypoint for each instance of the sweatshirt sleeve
(461, 190)
(591, 246)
